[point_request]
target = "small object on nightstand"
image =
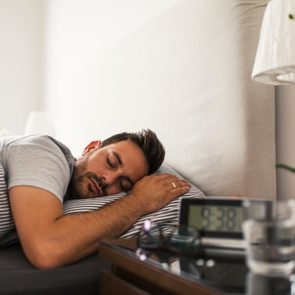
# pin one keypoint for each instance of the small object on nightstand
(183, 240)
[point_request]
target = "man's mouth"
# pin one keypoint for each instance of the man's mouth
(94, 187)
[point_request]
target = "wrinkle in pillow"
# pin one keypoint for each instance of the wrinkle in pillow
(168, 214)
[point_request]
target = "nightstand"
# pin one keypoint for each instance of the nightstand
(134, 274)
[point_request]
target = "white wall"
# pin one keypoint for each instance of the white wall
(21, 54)
(78, 34)
(75, 36)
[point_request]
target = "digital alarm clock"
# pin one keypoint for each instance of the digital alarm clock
(219, 220)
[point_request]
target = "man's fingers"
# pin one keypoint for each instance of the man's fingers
(181, 188)
(179, 183)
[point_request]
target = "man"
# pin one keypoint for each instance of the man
(40, 171)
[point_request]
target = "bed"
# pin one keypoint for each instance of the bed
(186, 75)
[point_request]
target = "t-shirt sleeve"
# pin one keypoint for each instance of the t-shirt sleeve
(39, 165)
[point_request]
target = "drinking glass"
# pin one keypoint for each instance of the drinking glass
(269, 237)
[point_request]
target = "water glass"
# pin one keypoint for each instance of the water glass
(262, 285)
(269, 238)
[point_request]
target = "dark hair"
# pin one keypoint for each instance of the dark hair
(147, 141)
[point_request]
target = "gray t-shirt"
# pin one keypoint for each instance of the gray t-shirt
(34, 160)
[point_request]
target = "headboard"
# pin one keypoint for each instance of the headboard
(186, 74)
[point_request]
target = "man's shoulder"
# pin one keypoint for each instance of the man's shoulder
(31, 144)
(35, 140)
(40, 161)
(43, 140)
(26, 140)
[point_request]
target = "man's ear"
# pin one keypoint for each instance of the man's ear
(92, 145)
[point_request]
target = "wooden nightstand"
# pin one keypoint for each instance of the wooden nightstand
(133, 276)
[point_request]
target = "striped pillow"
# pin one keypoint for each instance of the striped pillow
(168, 215)
(6, 221)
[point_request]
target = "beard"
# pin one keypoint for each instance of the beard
(83, 183)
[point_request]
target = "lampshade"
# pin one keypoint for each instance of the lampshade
(275, 56)
(39, 123)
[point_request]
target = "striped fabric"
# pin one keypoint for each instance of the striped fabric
(168, 215)
(6, 221)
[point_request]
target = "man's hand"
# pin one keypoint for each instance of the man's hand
(156, 191)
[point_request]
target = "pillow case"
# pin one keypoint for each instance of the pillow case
(168, 214)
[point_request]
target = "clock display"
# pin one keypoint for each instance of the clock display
(216, 218)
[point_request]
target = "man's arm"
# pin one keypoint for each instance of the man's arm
(50, 238)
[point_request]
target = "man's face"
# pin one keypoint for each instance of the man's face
(108, 170)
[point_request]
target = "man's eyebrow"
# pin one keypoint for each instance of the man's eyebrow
(117, 156)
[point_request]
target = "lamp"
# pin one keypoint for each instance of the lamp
(275, 56)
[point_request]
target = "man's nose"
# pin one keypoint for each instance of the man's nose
(110, 177)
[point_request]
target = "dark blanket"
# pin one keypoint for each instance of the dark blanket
(18, 276)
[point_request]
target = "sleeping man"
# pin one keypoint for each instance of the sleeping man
(37, 173)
